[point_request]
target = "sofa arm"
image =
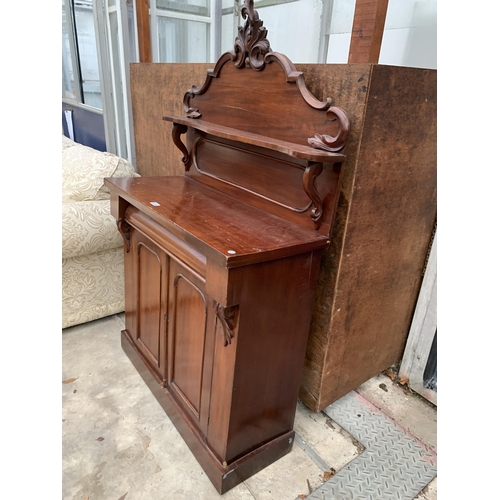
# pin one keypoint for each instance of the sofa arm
(88, 227)
(84, 170)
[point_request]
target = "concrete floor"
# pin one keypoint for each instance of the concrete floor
(117, 442)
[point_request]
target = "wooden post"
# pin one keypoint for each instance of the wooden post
(143, 30)
(367, 31)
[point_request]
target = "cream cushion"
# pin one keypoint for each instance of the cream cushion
(88, 227)
(67, 142)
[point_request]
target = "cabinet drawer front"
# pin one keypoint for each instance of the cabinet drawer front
(171, 244)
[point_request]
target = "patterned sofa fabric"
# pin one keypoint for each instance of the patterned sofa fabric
(92, 248)
(92, 286)
(84, 170)
(88, 227)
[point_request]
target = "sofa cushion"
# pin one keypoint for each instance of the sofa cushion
(84, 170)
(88, 227)
(67, 142)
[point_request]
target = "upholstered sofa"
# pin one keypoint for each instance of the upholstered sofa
(92, 248)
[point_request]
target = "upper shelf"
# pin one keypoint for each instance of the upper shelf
(292, 149)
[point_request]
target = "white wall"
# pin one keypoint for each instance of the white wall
(294, 28)
(410, 35)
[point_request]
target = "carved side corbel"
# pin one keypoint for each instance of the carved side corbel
(124, 229)
(227, 317)
(312, 171)
(327, 142)
(177, 131)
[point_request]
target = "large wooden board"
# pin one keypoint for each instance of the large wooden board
(157, 89)
(371, 275)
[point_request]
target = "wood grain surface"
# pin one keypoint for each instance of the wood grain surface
(221, 226)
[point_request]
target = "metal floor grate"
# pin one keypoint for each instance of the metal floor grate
(394, 466)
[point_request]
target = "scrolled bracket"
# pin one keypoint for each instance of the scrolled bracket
(124, 229)
(177, 131)
(193, 113)
(312, 171)
(193, 91)
(327, 142)
(227, 317)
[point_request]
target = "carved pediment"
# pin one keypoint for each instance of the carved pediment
(251, 44)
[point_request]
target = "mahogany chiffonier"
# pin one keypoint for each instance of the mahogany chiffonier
(221, 263)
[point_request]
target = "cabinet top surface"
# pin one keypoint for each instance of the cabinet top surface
(238, 232)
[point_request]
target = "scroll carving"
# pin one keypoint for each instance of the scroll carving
(193, 112)
(124, 229)
(177, 131)
(311, 173)
(227, 318)
(327, 142)
(251, 44)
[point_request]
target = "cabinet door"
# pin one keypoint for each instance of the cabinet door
(191, 328)
(151, 289)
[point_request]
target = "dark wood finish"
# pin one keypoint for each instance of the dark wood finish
(143, 30)
(372, 270)
(151, 278)
(221, 261)
(288, 148)
(367, 31)
(235, 341)
(331, 126)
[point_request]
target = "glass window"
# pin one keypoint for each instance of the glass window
(196, 7)
(183, 41)
(338, 31)
(284, 19)
(410, 34)
(183, 30)
(114, 35)
(229, 31)
(80, 68)
(87, 51)
(69, 79)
